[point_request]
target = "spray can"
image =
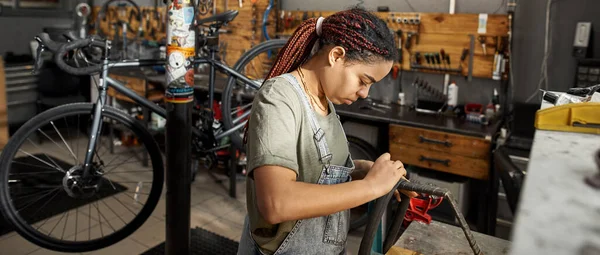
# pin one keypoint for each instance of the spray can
(452, 94)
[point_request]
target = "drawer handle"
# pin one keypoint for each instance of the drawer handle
(445, 162)
(427, 140)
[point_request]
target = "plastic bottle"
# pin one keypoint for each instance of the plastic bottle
(452, 94)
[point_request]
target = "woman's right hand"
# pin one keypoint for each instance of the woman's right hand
(384, 174)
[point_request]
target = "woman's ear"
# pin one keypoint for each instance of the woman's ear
(336, 55)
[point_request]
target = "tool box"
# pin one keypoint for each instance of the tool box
(576, 117)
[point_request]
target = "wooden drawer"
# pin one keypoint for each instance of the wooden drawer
(441, 161)
(440, 141)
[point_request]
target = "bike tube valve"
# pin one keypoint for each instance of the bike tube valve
(179, 97)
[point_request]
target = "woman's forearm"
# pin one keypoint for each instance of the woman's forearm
(280, 201)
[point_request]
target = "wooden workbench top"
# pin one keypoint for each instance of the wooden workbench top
(558, 212)
(440, 238)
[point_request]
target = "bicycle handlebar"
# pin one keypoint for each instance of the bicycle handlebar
(45, 41)
(62, 51)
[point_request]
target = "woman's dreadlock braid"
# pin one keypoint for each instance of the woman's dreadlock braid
(296, 50)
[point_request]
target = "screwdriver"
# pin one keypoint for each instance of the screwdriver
(482, 41)
(399, 33)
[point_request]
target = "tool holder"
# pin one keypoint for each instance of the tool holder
(428, 99)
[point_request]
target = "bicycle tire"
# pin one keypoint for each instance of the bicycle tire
(369, 153)
(28, 232)
(265, 46)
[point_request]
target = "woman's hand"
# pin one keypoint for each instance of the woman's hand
(364, 166)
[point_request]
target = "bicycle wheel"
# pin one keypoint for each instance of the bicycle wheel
(237, 97)
(360, 149)
(36, 175)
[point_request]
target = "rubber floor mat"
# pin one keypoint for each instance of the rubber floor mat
(203, 242)
(38, 175)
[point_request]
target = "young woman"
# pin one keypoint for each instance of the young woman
(302, 182)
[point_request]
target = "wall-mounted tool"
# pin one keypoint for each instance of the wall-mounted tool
(409, 36)
(399, 34)
(482, 41)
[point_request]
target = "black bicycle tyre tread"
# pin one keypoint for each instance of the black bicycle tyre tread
(242, 61)
(372, 154)
(27, 232)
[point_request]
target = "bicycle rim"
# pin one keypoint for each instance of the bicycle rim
(112, 191)
(237, 97)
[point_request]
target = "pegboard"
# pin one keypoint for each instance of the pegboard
(435, 31)
(244, 32)
(153, 22)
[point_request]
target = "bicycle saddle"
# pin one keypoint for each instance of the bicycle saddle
(224, 17)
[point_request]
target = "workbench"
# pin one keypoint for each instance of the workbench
(439, 238)
(558, 212)
(437, 142)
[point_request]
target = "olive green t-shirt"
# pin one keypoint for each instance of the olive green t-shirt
(279, 133)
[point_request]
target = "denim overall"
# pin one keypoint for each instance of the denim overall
(319, 235)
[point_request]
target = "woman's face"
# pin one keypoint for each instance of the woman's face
(344, 83)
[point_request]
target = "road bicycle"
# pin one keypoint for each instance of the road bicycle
(89, 182)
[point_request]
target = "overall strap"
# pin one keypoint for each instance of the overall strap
(319, 134)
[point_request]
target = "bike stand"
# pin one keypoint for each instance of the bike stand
(179, 98)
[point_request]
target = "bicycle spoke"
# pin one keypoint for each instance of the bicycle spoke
(126, 162)
(48, 157)
(52, 140)
(65, 142)
(48, 164)
(49, 192)
(65, 227)
(113, 211)
(132, 171)
(76, 221)
(99, 220)
(129, 209)
(59, 220)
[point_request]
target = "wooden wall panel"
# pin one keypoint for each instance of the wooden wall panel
(437, 31)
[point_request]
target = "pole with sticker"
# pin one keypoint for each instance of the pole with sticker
(179, 97)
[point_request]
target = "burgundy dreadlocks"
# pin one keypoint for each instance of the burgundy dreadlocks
(364, 37)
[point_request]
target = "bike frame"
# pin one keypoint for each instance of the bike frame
(106, 81)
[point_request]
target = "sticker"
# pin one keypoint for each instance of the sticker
(482, 28)
(177, 66)
(179, 95)
(180, 32)
(188, 15)
(186, 52)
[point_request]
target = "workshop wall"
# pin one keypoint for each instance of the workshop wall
(530, 18)
(484, 87)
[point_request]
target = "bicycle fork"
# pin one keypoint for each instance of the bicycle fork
(96, 122)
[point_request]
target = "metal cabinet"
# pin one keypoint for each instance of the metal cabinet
(21, 93)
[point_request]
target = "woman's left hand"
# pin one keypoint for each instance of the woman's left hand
(363, 166)
(410, 194)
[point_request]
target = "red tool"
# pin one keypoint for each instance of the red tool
(395, 71)
(473, 108)
(418, 207)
